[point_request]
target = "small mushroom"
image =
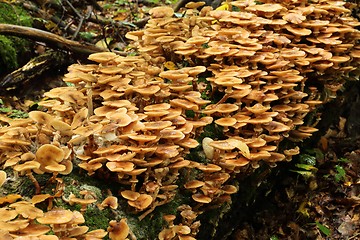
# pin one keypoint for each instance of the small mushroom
(110, 201)
(118, 230)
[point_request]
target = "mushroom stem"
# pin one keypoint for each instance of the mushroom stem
(90, 101)
(142, 216)
(34, 181)
(223, 99)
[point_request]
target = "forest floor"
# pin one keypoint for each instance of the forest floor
(310, 203)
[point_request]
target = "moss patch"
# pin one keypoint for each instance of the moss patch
(14, 51)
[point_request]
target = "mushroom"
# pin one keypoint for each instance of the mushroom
(110, 201)
(142, 202)
(56, 216)
(82, 202)
(118, 230)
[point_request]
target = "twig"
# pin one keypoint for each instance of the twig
(81, 19)
(61, 24)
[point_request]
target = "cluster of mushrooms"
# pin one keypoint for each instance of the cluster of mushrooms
(22, 220)
(253, 70)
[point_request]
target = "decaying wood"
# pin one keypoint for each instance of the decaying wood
(35, 67)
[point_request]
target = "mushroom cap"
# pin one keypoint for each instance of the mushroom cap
(188, 143)
(194, 5)
(110, 201)
(86, 131)
(157, 125)
(62, 127)
(194, 184)
(276, 127)
(40, 117)
(298, 31)
(209, 168)
(161, 12)
(39, 198)
(7, 214)
(10, 198)
(226, 122)
(240, 162)
(171, 134)
(48, 154)
(179, 164)
(120, 166)
(130, 195)
(56, 216)
(96, 234)
(27, 166)
(142, 202)
(102, 57)
(266, 7)
(74, 200)
(201, 198)
(27, 210)
(222, 145)
(32, 230)
(77, 231)
(15, 225)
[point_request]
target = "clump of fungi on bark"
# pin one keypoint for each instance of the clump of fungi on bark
(255, 71)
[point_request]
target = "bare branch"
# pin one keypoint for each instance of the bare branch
(51, 39)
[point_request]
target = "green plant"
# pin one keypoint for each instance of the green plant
(323, 229)
(340, 174)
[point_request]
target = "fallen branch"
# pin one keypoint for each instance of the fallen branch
(51, 39)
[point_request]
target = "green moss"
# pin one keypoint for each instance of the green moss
(8, 54)
(95, 218)
(13, 14)
(13, 50)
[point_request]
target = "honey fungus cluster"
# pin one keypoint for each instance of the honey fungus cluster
(255, 71)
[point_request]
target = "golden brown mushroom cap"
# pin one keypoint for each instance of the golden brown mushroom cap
(41, 117)
(14, 225)
(201, 198)
(48, 153)
(74, 200)
(110, 201)
(27, 166)
(130, 195)
(39, 198)
(96, 234)
(194, 184)
(27, 210)
(142, 202)
(161, 12)
(10, 198)
(56, 216)
(102, 57)
(32, 230)
(7, 214)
